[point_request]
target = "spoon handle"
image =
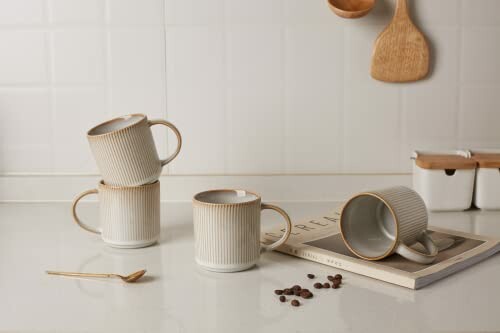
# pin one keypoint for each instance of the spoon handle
(82, 274)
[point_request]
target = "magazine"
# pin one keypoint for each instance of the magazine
(319, 239)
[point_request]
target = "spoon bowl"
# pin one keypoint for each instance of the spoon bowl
(134, 276)
(351, 8)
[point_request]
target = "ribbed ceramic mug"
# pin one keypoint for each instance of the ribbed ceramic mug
(129, 216)
(125, 151)
(376, 224)
(227, 229)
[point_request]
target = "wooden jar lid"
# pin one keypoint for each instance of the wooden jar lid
(487, 160)
(442, 162)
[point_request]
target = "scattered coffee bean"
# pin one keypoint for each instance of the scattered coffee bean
(296, 287)
(288, 291)
(295, 302)
(306, 294)
(304, 289)
(326, 285)
(335, 284)
(282, 299)
(318, 285)
(278, 292)
(338, 277)
(311, 276)
(297, 292)
(330, 278)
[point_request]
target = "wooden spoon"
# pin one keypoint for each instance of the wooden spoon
(351, 8)
(127, 278)
(401, 53)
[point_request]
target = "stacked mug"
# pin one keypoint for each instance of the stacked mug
(129, 192)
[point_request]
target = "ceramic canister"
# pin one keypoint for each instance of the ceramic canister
(129, 216)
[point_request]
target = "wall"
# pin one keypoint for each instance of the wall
(256, 87)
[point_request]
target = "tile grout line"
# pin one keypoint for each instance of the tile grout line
(49, 63)
(165, 84)
(458, 140)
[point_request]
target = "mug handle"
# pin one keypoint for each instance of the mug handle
(177, 134)
(75, 216)
(288, 227)
(417, 256)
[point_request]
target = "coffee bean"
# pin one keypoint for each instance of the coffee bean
(306, 294)
(330, 278)
(339, 281)
(311, 276)
(295, 302)
(335, 284)
(338, 277)
(278, 292)
(304, 289)
(288, 291)
(318, 285)
(296, 287)
(326, 285)
(282, 299)
(297, 292)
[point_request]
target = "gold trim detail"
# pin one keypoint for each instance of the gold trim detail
(395, 219)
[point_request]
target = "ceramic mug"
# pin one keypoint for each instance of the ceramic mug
(227, 229)
(376, 224)
(125, 151)
(129, 216)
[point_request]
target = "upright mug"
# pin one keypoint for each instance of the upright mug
(125, 151)
(227, 229)
(129, 216)
(376, 224)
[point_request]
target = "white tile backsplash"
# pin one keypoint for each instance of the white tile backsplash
(256, 87)
(23, 58)
(75, 12)
(21, 12)
(78, 56)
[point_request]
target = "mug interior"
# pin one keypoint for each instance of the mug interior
(226, 197)
(368, 227)
(116, 124)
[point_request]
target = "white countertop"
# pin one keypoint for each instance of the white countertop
(177, 296)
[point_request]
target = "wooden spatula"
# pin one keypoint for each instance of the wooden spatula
(401, 53)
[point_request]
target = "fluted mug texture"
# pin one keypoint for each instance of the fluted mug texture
(376, 224)
(125, 152)
(129, 216)
(227, 229)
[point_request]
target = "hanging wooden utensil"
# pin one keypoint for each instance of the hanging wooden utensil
(401, 53)
(351, 8)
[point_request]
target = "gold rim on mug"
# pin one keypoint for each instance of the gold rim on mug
(142, 116)
(395, 221)
(196, 201)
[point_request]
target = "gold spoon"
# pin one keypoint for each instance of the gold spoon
(129, 278)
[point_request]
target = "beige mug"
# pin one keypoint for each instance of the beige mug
(227, 229)
(125, 151)
(376, 224)
(129, 216)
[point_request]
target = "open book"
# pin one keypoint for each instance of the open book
(318, 239)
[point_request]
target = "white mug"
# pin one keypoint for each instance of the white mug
(376, 224)
(227, 229)
(129, 216)
(125, 151)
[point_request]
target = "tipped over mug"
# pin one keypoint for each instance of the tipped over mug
(227, 229)
(377, 224)
(125, 152)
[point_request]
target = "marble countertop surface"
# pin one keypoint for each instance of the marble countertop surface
(178, 296)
